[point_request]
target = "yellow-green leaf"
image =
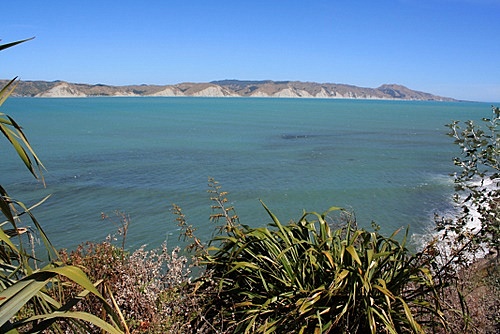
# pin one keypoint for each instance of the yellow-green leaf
(353, 253)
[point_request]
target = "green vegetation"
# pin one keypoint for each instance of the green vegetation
(468, 245)
(477, 184)
(304, 277)
(319, 274)
(29, 295)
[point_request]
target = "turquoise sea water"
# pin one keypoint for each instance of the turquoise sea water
(387, 160)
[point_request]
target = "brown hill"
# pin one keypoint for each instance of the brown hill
(224, 88)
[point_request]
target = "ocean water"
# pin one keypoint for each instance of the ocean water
(388, 161)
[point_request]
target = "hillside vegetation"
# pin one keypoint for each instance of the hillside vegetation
(225, 88)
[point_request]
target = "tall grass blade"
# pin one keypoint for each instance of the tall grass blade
(5, 92)
(8, 45)
(74, 315)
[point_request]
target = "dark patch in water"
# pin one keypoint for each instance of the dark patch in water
(297, 136)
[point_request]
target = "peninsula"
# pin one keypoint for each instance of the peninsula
(225, 88)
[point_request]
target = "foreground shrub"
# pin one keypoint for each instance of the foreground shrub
(150, 287)
(304, 277)
(467, 246)
(476, 185)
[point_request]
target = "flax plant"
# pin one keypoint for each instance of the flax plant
(305, 277)
(26, 303)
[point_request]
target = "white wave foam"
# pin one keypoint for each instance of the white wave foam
(447, 245)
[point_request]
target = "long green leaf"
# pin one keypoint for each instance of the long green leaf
(21, 152)
(52, 252)
(5, 205)
(278, 224)
(19, 214)
(27, 145)
(76, 275)
(5, 92)
(415, 326)
(8, 45)
(353, 253)
(389, 326)
(244, 265)
(5, 238)
(15, 297)
(84, 316)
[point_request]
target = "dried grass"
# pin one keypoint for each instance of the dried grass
(152, 288)
(476, 291)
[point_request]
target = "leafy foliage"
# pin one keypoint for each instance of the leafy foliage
(462, 264)
(477, 183)
(25, 300)
(304, 277)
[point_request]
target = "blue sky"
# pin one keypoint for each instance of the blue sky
(445, 47)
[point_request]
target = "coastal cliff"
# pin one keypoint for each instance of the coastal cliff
(225, 88)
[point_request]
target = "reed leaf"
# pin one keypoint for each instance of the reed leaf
(9, 45)
(75, 315)
(5, 92)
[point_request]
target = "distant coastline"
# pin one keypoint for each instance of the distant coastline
(226, 88)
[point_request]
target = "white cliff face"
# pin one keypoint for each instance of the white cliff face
(322, 93)
(259, 93)
(303, 93)
(124, 94)
(213, 91)
(287, 92)
(291, 92)
(168, 92)
(62, 90)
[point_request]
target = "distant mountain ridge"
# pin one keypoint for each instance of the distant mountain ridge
(224, 88)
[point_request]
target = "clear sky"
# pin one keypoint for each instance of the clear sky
(445, 47)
